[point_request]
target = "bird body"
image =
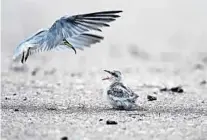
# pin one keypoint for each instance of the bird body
(68, 32)
(119, 95)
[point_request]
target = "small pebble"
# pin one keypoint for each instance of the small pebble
(151, 98)
(6, 98)
(100, 119)
(64, 138)
(134, 117)
(51, 108)
(177, 89)
(14, 94)
(109, 122)
(16, 109)
(25, 98)
(163, 89)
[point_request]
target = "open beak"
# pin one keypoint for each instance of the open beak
(107, 78)
(108, 71)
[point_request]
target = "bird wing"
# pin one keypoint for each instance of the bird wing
(69, 26)
(73, 28)
(80, 41)
(118, 90)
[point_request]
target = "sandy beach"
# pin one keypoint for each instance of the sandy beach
(156, 45)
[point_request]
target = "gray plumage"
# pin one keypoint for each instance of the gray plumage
(119, 95)
(66, 33)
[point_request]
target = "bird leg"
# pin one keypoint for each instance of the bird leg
(69, 45)
(27, 54)
(22, 60)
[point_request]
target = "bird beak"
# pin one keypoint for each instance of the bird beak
(69, 45)
(74, 49)
(108, 71)
(107, 78)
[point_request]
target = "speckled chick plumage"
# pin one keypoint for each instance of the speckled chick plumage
(119, 95)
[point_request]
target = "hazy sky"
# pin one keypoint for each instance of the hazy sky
(161, 25)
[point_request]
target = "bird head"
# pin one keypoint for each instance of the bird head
(115, 76)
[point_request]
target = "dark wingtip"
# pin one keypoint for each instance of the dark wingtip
(114, 11)
(119, 11)
(103, 13)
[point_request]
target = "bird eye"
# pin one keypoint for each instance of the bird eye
(114, 74)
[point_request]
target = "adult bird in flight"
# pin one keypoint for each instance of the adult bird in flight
(68, 32)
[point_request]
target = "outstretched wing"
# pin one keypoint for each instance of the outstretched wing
(80, 41)
(67, 27)
(73, 28)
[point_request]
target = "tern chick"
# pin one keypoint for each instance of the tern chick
(119, 95)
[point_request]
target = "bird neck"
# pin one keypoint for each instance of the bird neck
(116, 81)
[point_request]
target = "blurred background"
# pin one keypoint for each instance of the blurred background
(166, 30)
